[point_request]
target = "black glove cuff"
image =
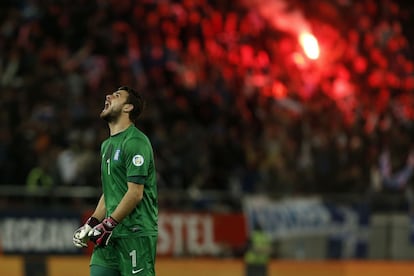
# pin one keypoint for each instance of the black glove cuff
(92, 222)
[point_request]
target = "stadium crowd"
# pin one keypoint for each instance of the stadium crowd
(233, 104)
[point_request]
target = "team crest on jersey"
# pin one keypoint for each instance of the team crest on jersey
(138, 160)
(116, 155)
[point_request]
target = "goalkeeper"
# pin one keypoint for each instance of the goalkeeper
(124, 225)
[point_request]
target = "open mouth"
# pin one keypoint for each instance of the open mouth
(106, 106)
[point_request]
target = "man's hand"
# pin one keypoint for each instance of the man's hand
(80, 237)
(101, 233)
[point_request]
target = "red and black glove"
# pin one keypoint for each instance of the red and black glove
(101, 233)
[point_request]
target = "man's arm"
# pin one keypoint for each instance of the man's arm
(131, 199)
(100, 210)
(101, 233)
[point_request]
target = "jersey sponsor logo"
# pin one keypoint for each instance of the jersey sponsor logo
(138, 160)
(136, 271)
(116, 155)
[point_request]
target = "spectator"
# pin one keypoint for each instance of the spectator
(234, 101)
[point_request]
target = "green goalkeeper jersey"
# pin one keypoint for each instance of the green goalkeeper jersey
(128, 157)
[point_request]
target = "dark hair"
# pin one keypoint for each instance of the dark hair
(136, 100)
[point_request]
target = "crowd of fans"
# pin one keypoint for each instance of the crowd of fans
(233, 104)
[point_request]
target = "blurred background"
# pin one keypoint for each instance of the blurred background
(292, 119)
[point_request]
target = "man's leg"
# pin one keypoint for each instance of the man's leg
(104, 261)
(137, 256)
(97, 270)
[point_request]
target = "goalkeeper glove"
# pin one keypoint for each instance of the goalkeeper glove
(102, 232)
(80, 237)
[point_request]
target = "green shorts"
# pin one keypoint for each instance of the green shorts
(134, 256)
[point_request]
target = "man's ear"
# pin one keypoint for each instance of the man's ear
(127, 108)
